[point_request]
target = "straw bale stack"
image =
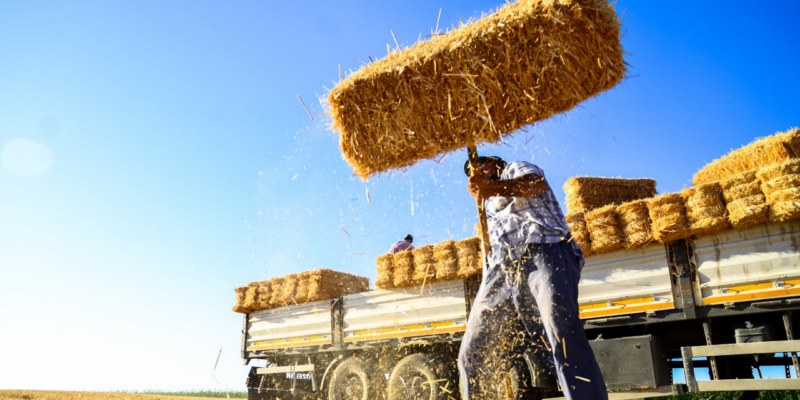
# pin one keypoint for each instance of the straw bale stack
(288, 289)
(250, 299)
(604, 228)
(469, 257)
(276, 295)
(705, 209)
(777, 148)
(263, 295)
(529, 60)
(239, 307)
(577, 226)
(424, 265)
(779, 183)
(326, 284)
(301, 291)
(668, 217)
(744, 200)
(585, 193)
(446, 259)
(385, 276)
(403, 270)
(635, 221)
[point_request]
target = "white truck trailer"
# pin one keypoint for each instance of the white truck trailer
(721, 302)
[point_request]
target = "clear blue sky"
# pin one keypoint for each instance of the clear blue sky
(155, 155)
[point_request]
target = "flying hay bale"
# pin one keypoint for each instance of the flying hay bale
(668, 216)
(744, 200)
(779, 183)
(529, 60)
(239, 307)
(635, 221)
(585, 193)
(469, 257)
(403, 271)
(424, 265)
(446, 259)
(604, 229)
(577, 226)
(385, 277)
(705, 209)
(764, 151)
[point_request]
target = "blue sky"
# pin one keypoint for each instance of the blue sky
(155, 155)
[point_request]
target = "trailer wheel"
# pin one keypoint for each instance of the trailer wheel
(350, 381)
(417, 377)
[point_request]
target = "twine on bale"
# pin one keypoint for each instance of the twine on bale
(524, 63)
(635, 221)
(705, 209)
(744, 200)
(576, 223)
(777, 148)
(779, 183)
(586, 193)
(604, 229)
(668, 216)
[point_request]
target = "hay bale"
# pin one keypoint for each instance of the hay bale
(586, 193)
(446, 260)
(577, 226)
(403, 271)
(324, 284)
(385, 276)
(529, 60)
(764, 151)
(288, 289)
(748, 211)
(276, 295)
(668, 216)
(300, 295)
(470, 262)
(263, 295)
(424, 265)
(779, 182)
(250, 300)
(604, 229)
(239, 307)
(634, 219)
(705, 209)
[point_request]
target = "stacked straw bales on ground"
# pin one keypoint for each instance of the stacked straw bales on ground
(744, 200)
(586, 193)
(443, 261)
(320, 284)
(772, 149)
(529, 60)
(781, 186)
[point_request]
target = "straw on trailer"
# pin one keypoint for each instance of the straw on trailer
(529, 60)
(764, 151)
(385, 277)
(424, 265)
(250, 300)
(705, 209)
(577, 226)
(586, 193)
(288, 289)
(779, 183)
(327, 284)
(276, 296)
(744, 200)
(668, 216)
(469, 257)
(301, 291)
(239, 307)
(263, 295)
(403, 271)
(446, 260)
(635, 221)
(604, 229)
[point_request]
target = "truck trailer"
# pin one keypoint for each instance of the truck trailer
(723, 303)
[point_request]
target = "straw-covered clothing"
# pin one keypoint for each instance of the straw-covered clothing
(401, 245)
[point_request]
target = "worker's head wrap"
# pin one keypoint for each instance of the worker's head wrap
(499, 162)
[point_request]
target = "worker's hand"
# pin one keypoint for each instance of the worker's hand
(477, 186)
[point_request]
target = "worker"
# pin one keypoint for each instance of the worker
(528, 295)
(401, 245)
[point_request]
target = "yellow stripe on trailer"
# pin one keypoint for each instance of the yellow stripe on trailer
(283, 343)
(402, 331)
(625, 306)
(755, 291)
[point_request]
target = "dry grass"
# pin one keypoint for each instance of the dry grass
(586, 193)
(68, 395)
(529, 60)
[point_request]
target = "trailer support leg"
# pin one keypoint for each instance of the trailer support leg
(787, 324)
(688, 368)
(712, 361)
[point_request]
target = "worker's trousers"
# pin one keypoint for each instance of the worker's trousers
(529, 303)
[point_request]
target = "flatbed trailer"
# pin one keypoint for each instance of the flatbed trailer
(645, 311)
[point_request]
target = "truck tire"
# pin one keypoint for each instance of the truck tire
(350, 381)
(418, 377)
